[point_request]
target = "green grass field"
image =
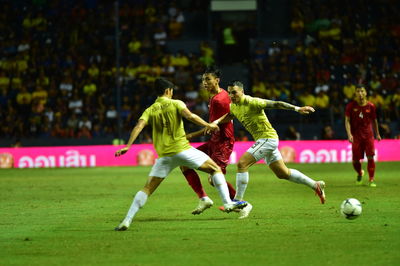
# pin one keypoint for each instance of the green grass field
(67, 217)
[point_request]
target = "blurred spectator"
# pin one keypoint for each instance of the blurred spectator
(321, 100)
(75, 104)
(84, 132)
(306, 98)
(292, 134)
(72, 122)
(85, 122)
(40, 95)
(206, 54)
(67, 84)
(327, 133)
(349, 89)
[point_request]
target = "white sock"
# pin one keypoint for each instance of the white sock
(205, 198)
(300, 178)
(241, 184)
(220, 184)
(138, 202)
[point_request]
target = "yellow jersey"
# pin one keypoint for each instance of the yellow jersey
(250, 112)
(164, 116)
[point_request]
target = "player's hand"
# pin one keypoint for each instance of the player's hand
(121, 151)
(350, 138)
(305, 110)
(379, 138)
(211, 128)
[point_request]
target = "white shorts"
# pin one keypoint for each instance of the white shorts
(191, 158)
(266, 149)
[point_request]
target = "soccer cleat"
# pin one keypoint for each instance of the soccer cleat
(235, 205)
(222, 208)
(124, 225)
(372, 183)
(320, 190)
(204, 204)
(244, 213)
(359, 178)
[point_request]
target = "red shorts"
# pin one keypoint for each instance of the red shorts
(219, 152)
(361, 146)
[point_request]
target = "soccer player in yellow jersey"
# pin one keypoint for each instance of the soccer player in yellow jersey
(250, 112)
(173, 149)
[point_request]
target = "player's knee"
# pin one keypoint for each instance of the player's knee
(214, 168)
(242, 165)
(217, 169)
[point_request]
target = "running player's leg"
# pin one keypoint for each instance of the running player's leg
(193, 178)
(370, 152)
(159, 171)
(358, 155)
(220, 153)
(242, 175)
(274, 159)
(196, 159)
(219, 182)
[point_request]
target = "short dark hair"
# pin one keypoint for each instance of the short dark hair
(161, 84)
(359, 86)
(213, 70)
(235, 83)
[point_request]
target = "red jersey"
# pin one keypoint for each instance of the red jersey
(361, 119)
(218, 106)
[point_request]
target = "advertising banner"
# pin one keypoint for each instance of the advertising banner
(335, 151)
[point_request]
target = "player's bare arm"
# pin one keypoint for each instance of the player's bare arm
(376, 128)
(224, 119)
(287, 106)
(196, 134)
(134, 134)
(198, 120)
(348, 129)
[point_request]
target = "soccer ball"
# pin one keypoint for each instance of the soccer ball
(351, 208)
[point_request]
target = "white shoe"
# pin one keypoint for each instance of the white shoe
(204, 204)
(124, 225)
(235, 205)
(244, 213)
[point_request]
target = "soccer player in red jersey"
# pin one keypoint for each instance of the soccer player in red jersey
(360, 121)
(220, 145)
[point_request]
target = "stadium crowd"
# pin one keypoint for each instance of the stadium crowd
(58, 74)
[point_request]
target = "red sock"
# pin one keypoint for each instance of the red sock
(194, 181)
(357, 167)
(232, 191)
(371, 169)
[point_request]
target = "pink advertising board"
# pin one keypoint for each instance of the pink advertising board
(144, 154)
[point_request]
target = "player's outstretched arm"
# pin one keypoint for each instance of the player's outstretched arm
(134, 134)
(224, 119)
(196, 134)
(198, 120)
(287, 106)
